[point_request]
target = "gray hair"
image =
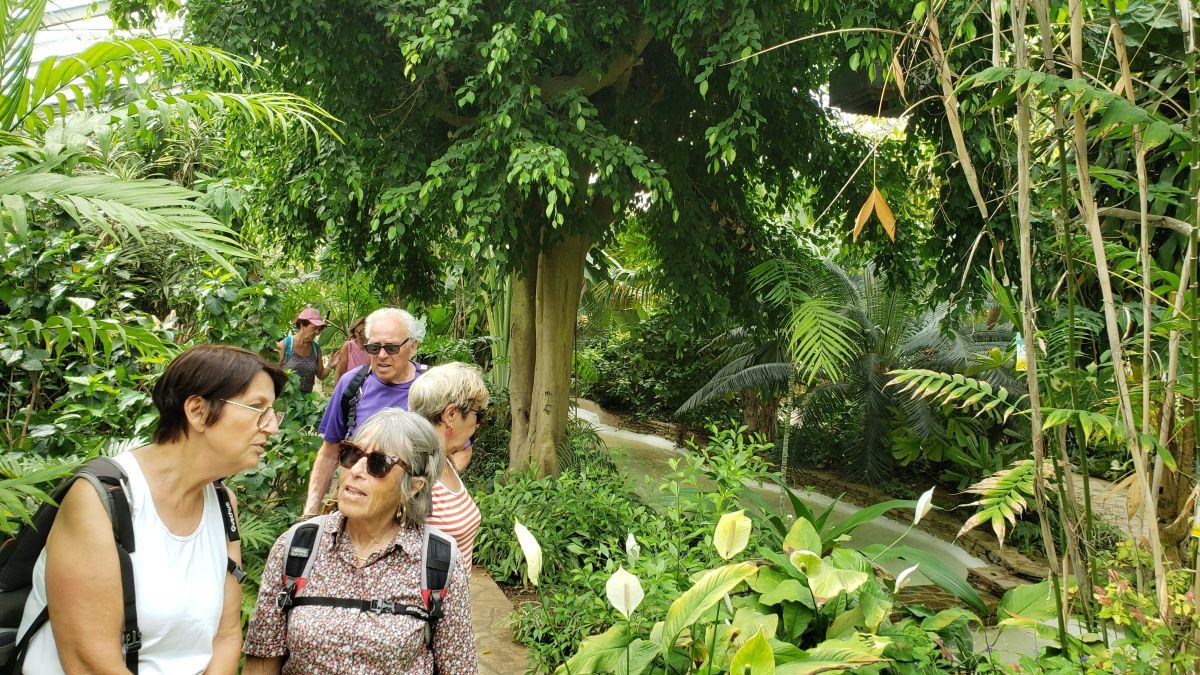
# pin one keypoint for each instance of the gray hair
(416, 328)
(455, 383)
(411, 438)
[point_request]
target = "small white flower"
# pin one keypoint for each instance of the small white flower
(903, 577)
(924, 506)
(532, 550)
(624, 592)
(632, 549)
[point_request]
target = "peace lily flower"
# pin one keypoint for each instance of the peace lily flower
(531, 549)
(924, 506)
(624, 592)
(903, 577)
(632, 548)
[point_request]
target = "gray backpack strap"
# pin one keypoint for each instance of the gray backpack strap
(439, 559)
(303, 549)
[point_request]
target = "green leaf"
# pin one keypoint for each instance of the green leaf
(802, 537)
(947, 617)
(708, 591)
(865, 515)
(608, 651)
(828, 582)
(934, 569)
(754, 658)
(1029, 601)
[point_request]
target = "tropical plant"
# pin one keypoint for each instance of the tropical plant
(878, 330)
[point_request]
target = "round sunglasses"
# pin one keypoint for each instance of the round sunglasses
(379, 464)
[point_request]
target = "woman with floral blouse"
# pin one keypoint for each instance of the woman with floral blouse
(368, 550)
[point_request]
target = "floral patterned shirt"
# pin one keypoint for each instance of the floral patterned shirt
(349, 641)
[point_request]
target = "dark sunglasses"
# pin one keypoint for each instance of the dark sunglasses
(379, 464)
(373, 348)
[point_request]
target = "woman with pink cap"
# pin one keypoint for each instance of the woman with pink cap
(301, 353)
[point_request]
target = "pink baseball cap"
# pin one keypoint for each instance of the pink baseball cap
(311, 315)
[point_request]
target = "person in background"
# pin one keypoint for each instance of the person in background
(215, 415)
(352, 354)
(393, 336)
(370, 549)
(300, 351)
(453, 397)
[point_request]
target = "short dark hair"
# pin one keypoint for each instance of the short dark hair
(212, 372)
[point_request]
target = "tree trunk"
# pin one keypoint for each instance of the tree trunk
(760, 414)
(559, 283)
(521, 355)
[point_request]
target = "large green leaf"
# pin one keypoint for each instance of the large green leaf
(708, 591)
(802, 536)
(1028, 601)
(827, 581)
(864, 515)
(611, 652)
(934, 569)
(753, 658)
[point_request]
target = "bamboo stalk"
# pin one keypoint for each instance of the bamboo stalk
(1019, 10)
(951, 104)
(1087, 561)
(1087, 205)
(1139, 149)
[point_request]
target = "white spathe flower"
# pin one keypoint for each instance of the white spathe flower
(903, 577)
(924, 506)
(532, 550)
(632, 548)
(624, 592)
(806, 561)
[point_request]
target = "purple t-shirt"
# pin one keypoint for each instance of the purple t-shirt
(376, 395)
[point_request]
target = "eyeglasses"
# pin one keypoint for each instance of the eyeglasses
(373, 348)
(479, 412)
(379, 464)
(265, 415)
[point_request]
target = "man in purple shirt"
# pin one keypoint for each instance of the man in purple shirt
(393, 336)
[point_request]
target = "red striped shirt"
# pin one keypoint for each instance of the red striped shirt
(456, 514)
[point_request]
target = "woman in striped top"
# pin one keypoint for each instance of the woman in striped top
(453, 397)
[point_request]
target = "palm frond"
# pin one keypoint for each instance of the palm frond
(93, 77)
(947, 389)
(22, 19)
(278, 111)
(821, 340)
(119, 207)
(741, 373)
(1003, 497)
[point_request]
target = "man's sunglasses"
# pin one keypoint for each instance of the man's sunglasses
(379, 464)
(373, 348)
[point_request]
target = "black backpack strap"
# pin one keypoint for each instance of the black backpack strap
(379, 606)
(231, 527)
(351, 396)
(108, 479)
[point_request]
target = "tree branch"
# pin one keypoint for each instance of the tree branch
(619, 63)
(1180, 226)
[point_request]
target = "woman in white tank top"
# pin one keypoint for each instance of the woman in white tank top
(215, 415)
(453, 397)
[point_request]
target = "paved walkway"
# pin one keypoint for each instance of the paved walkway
(498, 654)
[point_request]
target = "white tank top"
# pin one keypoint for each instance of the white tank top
(180, 584)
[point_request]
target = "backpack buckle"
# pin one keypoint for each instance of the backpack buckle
(131, 640)
(384, 606)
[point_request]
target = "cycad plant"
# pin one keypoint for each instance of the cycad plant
(841, 334)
